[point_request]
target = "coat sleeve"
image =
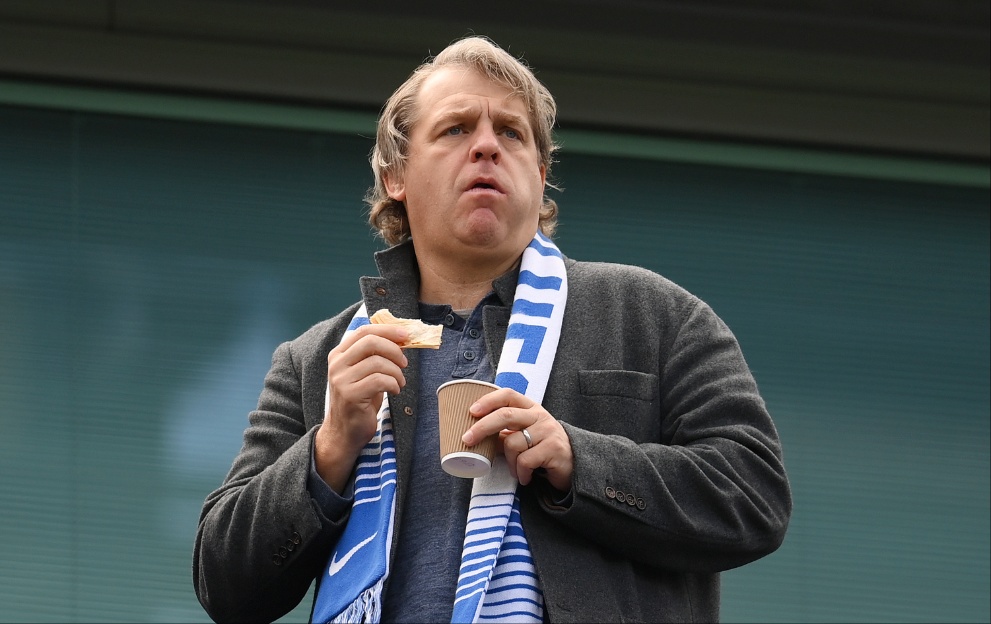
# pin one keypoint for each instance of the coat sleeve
(678, 465)
(262, 538)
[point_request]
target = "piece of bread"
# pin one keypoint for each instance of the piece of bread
(421, 335)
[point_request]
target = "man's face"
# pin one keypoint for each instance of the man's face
(473, 183)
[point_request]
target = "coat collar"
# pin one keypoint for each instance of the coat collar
(400, 279)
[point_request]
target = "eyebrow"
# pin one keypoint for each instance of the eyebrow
(501, 117)
(454, 115)
(512, 119)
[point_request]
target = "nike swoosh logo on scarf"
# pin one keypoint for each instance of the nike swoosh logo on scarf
(335, 565)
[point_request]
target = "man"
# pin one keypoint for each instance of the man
(637, 459)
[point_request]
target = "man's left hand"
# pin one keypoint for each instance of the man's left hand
(530, 437)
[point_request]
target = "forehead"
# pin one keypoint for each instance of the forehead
(455, 88)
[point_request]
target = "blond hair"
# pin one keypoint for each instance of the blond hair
(388, 216)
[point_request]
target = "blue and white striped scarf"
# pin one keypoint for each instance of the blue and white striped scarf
(497, 581)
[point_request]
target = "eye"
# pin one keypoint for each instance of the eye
(513, 134)
(454, 131)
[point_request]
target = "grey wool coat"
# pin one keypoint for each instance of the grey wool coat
(678, 472)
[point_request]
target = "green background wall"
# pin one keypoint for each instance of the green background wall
(148, 269)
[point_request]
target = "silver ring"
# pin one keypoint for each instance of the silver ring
(529, 440)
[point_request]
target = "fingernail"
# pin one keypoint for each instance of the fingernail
(473, 409)
(467, 438)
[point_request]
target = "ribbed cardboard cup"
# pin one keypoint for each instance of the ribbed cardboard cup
(453, 400)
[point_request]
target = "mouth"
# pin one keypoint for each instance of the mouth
(484, 184)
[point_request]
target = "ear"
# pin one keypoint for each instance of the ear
(543, 176)
(395, 186)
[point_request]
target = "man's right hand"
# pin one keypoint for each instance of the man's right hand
(366, 364)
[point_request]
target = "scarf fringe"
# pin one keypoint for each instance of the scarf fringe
(366, 608)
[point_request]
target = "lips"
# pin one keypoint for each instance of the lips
(484, 183)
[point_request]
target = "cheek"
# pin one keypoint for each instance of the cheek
(537, 184)
(416, 188)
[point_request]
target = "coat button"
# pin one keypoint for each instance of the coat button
(631, 500)
(621, 497)
(469, 355)
(408, 410)
(610, 492)
(277, 560)
(290, 546)
(283, 552)
(380, 291)
(296, 538)
(641, 505)
(474, 333)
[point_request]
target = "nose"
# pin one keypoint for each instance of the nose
(486, 144)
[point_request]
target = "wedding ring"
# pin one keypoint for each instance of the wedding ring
(529, 440)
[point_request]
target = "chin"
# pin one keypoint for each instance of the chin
(482, 230)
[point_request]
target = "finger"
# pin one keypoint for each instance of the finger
(529, 462)
(369, 345)
(513, 442)
(370, 376)
(492, 423)
(512, 418)
(393, 333)
(509, 449)
(512, 445)
(549, 456)
(503, 397)
(504, 408)
(374, 384)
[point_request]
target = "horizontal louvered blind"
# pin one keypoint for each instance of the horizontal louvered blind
(149, 268)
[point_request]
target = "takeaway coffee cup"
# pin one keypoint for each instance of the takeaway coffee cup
(453, 400)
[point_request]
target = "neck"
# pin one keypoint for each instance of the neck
(461, 287)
